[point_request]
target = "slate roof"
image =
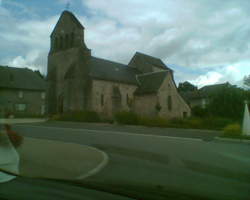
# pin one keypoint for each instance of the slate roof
(73, 18)
(150, 82)
(211, 89)
(192, 95)
(151, 60)
(20, 78)
(112, 71)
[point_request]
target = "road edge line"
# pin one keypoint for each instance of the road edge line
(119, 132)
(99, 167)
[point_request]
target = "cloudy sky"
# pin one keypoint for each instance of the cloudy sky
(203, 41)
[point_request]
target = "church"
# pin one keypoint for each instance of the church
(78, 81)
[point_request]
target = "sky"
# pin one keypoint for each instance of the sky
(203, 41)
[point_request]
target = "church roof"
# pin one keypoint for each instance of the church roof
(112, 71)
(150, 82)
(20, 78)
(72, 17)
(150, 60)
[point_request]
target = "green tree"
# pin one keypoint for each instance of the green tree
(186, 86)
(228, 102)
(246, 80)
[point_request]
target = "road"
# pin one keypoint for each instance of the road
(150, 162)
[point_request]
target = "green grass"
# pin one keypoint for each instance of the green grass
(130, 118)
(80, 116)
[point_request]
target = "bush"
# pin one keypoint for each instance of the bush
(125, 117)
(232, 130)
(194, 123)
(215, 123)
(198, 111)
(177, 123)
(81, 116)
(153, 121)
(27, 115)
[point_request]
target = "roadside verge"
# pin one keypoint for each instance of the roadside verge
(222, 139)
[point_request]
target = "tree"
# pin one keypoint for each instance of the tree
(186, 86)
(228, 102)
(39, 74)
(246, 80)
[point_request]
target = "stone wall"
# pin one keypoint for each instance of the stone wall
(179, 107)
(147, 104)
(105, 88)
(66, 95)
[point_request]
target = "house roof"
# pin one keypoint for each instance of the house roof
(192, 95)
(20, 78)
(112, 71)
(150, 60)
(211, 89)
(150, 82)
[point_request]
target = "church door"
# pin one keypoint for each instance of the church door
(116, 100)
(60, 104)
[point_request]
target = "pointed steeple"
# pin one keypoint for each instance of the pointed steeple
(68, 33)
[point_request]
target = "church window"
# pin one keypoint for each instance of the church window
(20, 94)
(102, 99)
(127, 99)
(72, 39)
(11, 77)
(56, 43)
(67, 41)
(169, 103)
(184, 114)
(61, 43)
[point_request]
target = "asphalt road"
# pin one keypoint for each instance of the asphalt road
(146, 163)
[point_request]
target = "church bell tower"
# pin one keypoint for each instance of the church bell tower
(67, 50)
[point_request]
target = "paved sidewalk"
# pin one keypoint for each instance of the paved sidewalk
(22, 120)
(53, 159)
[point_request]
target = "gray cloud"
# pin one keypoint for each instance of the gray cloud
(197, 34)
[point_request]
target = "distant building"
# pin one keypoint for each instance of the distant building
(210, 90)
(22, 92)
(200, 97)
(78, 81)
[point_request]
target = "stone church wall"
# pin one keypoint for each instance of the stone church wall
(168, 92)
(145, 105)
(105, 88)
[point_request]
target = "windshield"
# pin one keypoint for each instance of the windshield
(124, 99)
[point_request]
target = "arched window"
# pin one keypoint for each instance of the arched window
(169, 103)
(67, 41)
(72, 39)
(102, 99)
(56, 43)
(61, 43)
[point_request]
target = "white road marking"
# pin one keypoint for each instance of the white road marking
(99, 167)
(117, 132)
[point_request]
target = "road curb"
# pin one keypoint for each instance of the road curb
(232, 140)
(22, 120)
(99, 167)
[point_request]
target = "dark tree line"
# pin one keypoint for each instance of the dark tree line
(226, 103)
